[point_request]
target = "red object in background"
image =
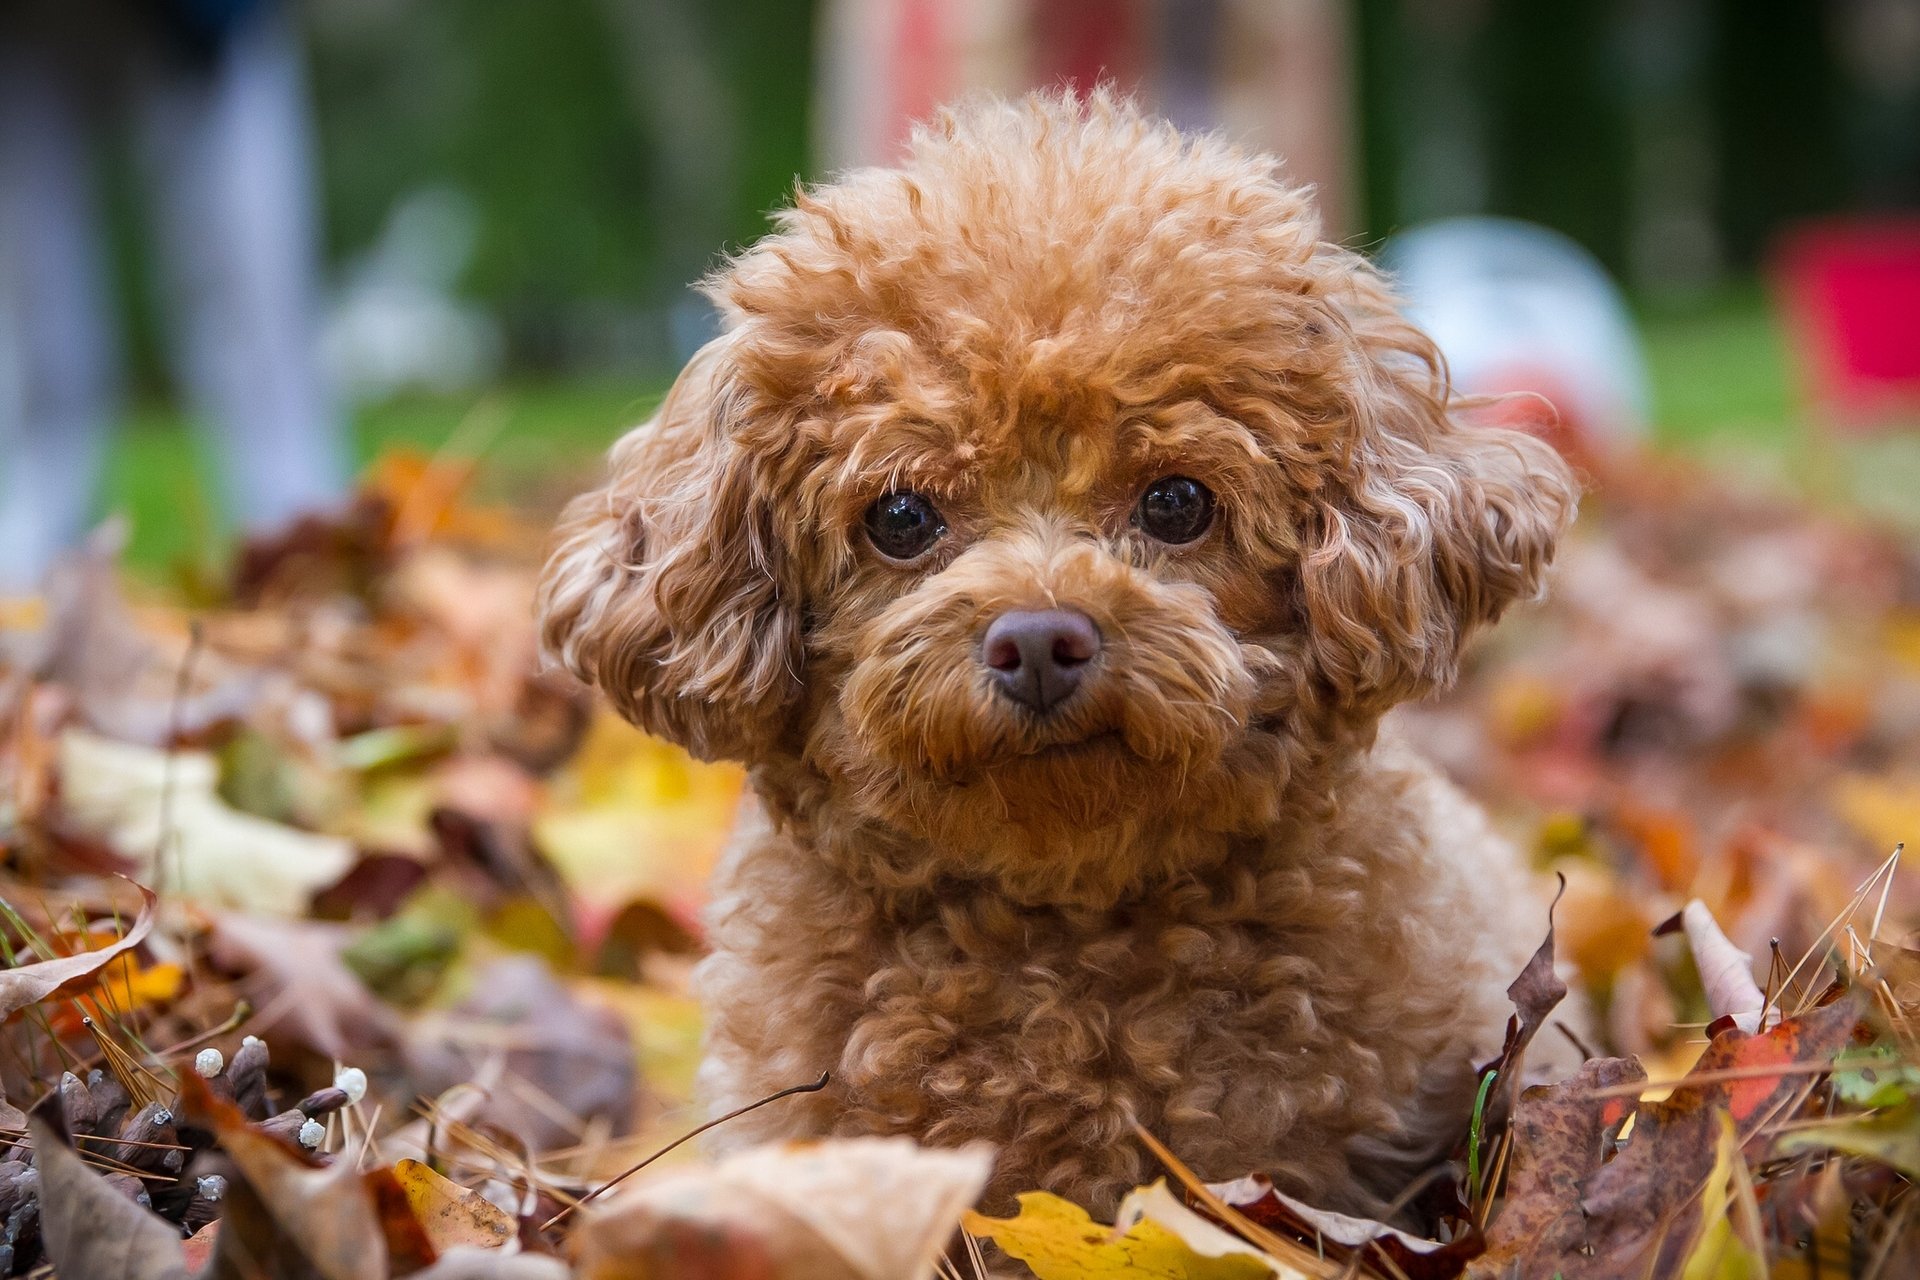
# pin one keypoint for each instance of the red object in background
(923, 72)
(1852, 298)
(1081, 43)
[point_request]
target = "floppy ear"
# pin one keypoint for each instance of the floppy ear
(1436, 527)
(666, 587)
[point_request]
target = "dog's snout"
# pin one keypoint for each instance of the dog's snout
(1037, 657)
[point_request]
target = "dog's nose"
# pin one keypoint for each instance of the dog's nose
(1038, 656)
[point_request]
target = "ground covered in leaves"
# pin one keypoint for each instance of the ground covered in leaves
(344, 943)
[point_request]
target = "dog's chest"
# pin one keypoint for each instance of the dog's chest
(1002, 1024)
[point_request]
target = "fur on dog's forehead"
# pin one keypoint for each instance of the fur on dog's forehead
(1029, 276)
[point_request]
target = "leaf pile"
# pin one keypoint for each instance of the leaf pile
(406, 990)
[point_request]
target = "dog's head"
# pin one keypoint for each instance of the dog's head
(1057, 482)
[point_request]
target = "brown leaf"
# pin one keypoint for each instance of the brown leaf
(1261, 1202)
(1535, 993)
(1560, 1135)
(89, 1228)
(1632, 1203)
(314, 995)
(31, 983)
(852, 1209)
(570, 1061)
(409, 1247)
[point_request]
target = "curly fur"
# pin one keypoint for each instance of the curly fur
(1205, 894)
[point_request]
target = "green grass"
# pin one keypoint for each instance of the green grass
(1720, 373)
(533, 439)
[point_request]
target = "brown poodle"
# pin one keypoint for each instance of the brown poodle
(1048, 533)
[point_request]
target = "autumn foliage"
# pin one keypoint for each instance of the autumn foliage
(405, 989)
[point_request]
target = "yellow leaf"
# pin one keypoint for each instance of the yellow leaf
(634, 817)
(1884, 810)
(1722, 1252)
(1060, 1241)
(450, 1213)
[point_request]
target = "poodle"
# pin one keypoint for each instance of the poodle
(1048, 532)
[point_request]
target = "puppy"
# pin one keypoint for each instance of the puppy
(1048, 533)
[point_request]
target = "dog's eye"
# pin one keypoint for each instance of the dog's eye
(902, 526)
(1175, 509)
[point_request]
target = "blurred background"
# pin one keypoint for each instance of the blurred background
(246, 246)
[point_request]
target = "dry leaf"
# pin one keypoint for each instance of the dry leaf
(1260, 1202)
(1560, 1137)
(1726, 972)
(452, 1214)
(31, 983)
(311, 993)
(127, 796)
(1630, 1201)
(1720, 1252)
(1154, 1238)
(565, 1062)
(1890, 1137)
(872, 1208)
(87, 1227)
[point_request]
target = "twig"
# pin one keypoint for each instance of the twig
(737, 1112)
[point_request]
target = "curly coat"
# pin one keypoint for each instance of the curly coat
(1204, 895)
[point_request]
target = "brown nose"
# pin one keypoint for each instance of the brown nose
(1038, 656)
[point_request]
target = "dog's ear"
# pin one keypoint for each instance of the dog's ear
(1435, 528)
(667, 587)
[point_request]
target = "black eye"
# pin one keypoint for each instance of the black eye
(1175, 509)
(902, 526)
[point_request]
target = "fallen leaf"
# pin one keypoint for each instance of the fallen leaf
(1060, 1241)
(1536, 992)
(410, 1247)
(634, 817)
(566, 1061)
(1340, 1236)
(311, 991)
(452, 1214)
(868, 1208)
(1826, 1249)
(1560, 1137)
(124, 678)
(1719, 1251)
(1726, 972)
(31, 983)
(1884, 811)
(130, 797)
(1890, 1137)
(87, 1227)
(1631, 1200)
(198, 1247)
(1874, 1077)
